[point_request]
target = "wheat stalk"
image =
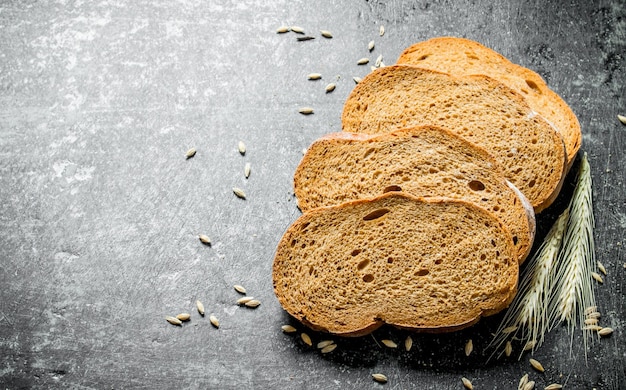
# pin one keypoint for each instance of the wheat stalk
(577, 259)
(527, 317)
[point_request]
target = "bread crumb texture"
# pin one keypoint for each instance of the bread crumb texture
(424, 264)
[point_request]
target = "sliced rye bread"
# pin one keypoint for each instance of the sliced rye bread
(424, 161)
(427, 264)
(462, 56)
(478, 108)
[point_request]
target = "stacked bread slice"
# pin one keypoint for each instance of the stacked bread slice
(419, 213)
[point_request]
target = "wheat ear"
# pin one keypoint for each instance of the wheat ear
(527, 317)
(574, 292)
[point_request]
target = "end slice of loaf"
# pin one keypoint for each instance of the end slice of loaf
(478, 108)
(425, 264)
(464, 57)
(424, 161)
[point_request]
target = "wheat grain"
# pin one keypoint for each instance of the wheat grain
(288, 329)
(605, 331)
(363, 61)
(389, 343)
(241, 147)
(522, 382)
(508, 349)
(467, 384)
(536, 365)
(370, 45)
(297, 29)
(408, 343)
(239, 288)
(469, 347)
(596, 276)
(574, 291)
(190, 153)
(528, 313)
(622, 119)
(246, 170)
(326, 34)
(200, 308)
(282, 29)
(324, 343)
(306, 339)
(601, 268)
(530, 385)
(328, 348)
(214, 321)
(553, 386)
(330, 87)
(239, 193)
(381, 378)
(173, 320)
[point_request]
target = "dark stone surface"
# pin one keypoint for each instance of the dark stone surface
(100, 211)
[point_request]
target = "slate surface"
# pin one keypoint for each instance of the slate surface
(100, 211)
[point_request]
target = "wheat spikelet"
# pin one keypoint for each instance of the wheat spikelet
(528, 313)
(577, 259)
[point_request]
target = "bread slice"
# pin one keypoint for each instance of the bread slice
(423, 161)
(425, 264)
(462, 56)
(478, 108)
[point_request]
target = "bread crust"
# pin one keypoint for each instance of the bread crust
(309, 282)
(463, 56)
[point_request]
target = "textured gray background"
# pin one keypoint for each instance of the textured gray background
(99, 210)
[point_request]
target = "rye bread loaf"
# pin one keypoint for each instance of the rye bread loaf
(424, 161)
(478, 108)
(427, 264)
(465, 57)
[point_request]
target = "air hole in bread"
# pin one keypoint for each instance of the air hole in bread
(422, 272)
(368, 278)
(356, 252)
(496, 208)
(493, 243)
(515, 240)
(533, 141)
(433, 170)
(305, 225)
(422, 58)
(393, 188)
(311, 269)
(390, 260)
(438, 261)
(293, 243)
(533, 86)
(531, 183)
(376, 214)
(483, 256)
(363, 264)
(476, 185)
(376, 174)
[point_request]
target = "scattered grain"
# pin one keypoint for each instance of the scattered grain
(357, 79)
(184, 316)
(173, 320)
(239, 288)
(469, 347)
(244, 300)
(370, 46)
(605, 332)
(297, 29)
(593, 328)
(381, 31)
(622, 119)
(305, 38)
(282, 29)
(314, 76)
(381, 378)
(200, 308)
(242, 148)
(190, 153)
(214, 321)
(324, 343)
(553, 386)
(330, 87)
(305, 110)
(466, 382)
(306, 339)
(239, 193)
(389, 343)
(288, 329)
(326, 34)
(363, 61)
(253, 303)
(591, 309)
(591, 321)
(601, 268)
(379, 61)
(328, 348)
(246, 170)
(530, 385)
(408, 343)
(594, 314)
(522, 382)
(536, 365)
(204, 239)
